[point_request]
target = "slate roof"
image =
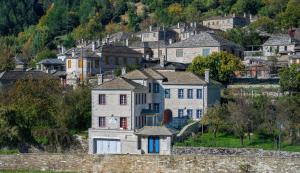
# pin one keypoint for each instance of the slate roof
(121, 84)
(119, 36)
(224, 17)
(182, 78)
(19, 75)
(86, 53)
(171, 66)
(294, 56)
(154, 131)
(51, 62)
(204, 39)
(147, 73)
(280, 39)
(152, 45)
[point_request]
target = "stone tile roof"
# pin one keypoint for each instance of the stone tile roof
(147, 73)
(280, 39)
(204, 39)
(154, 131)
(182, 78)
(152, 45)
(51, 62)
(171, 66)
(121, 84)
(119, 36)
(20, 75)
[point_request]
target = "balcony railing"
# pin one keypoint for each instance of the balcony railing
(253, 53)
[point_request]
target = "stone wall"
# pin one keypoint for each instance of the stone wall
(149, 163)
(249, 152)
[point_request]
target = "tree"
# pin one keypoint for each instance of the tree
(290, 17)
(243, 36)
(264, 24)
(290, 79)
(246, 6)
(175, 11)
(222, 65)
(215, 118)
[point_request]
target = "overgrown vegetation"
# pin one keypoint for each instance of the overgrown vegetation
(42, 113)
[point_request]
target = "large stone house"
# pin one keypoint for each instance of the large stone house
(85, 63)
(203, 44)
(127, 111)
(225, 23)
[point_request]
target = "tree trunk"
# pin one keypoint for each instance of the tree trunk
(242, 140)
(249, 135)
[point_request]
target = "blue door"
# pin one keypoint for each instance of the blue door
(153, 144)
(156, 144)
(150, 144)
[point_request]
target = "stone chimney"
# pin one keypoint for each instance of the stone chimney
(73, 53)
(150, 28)
(245, 15)
(127, 42)
(93, 46)
(100, 79)
(123, 71)
(233, 15)
(162, 61)
(206, 75)
(170, 41)
(178, 25)
(63, 49)
(191, 24)
(195, 24)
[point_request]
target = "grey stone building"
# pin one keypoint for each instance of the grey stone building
(225, 23)
(127, 112)
(203, 44)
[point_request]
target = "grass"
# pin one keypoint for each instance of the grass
(7, 151)
(231, 141)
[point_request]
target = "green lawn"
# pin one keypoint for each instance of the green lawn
(230, 141)
(9, 151)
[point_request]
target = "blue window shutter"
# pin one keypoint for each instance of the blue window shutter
(150, 146)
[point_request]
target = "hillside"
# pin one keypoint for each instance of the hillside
(33, 27)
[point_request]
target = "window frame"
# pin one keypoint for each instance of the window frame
(102, 99)
(179, 52)
(190, 93)
(189, 111)
(123, 123)
(156, 105)
(180, 95)
(180, 113)
(167, 95)
(102, 122)
(206, 51)
(199, 93)
(199, 113)
(123, 101)
(155, 88)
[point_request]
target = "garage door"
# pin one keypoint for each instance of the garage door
(107, 146)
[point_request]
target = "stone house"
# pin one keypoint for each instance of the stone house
(127, 112)
(84, 63)
(50, 65)
(294, 59)
(203, 44)
(225, 23)
(280, 44)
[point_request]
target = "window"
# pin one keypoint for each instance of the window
(180, 94)
(199, 93)
(101, 121)
(117, 60)
(159, 53)
(145, 98)
(150, 107)
(150, 87)
(156, 107)
(139, 98)
(80, 63)
(139, 143)
(180, 112)
(179, 52)
(190, 93)
(97, 63)
(101, 99)
(69, 63)
(123, 99)
(123, 122)
(190, 113)
(155, 88)
(198, 113)
(205, 51)
(285, 48)
(167, 93)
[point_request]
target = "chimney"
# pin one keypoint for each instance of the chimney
(147, 57)
(150, 28)
(170, 41)
(98, 42)
(233, 15)
(73, 53)
(245, 15)
(123, 71)
(162, 61)
(93, 46)
(191, 24)
(127, 42)
(178, 25)
(107, 39)
(63, 49)
(100, 79)
(250, 17)
(206, 75)
(195, 24)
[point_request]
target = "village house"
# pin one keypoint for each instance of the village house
(225, 23)
(50, 65)
(203, 44)
(85, 63)
(294, 59)
(127, 112)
